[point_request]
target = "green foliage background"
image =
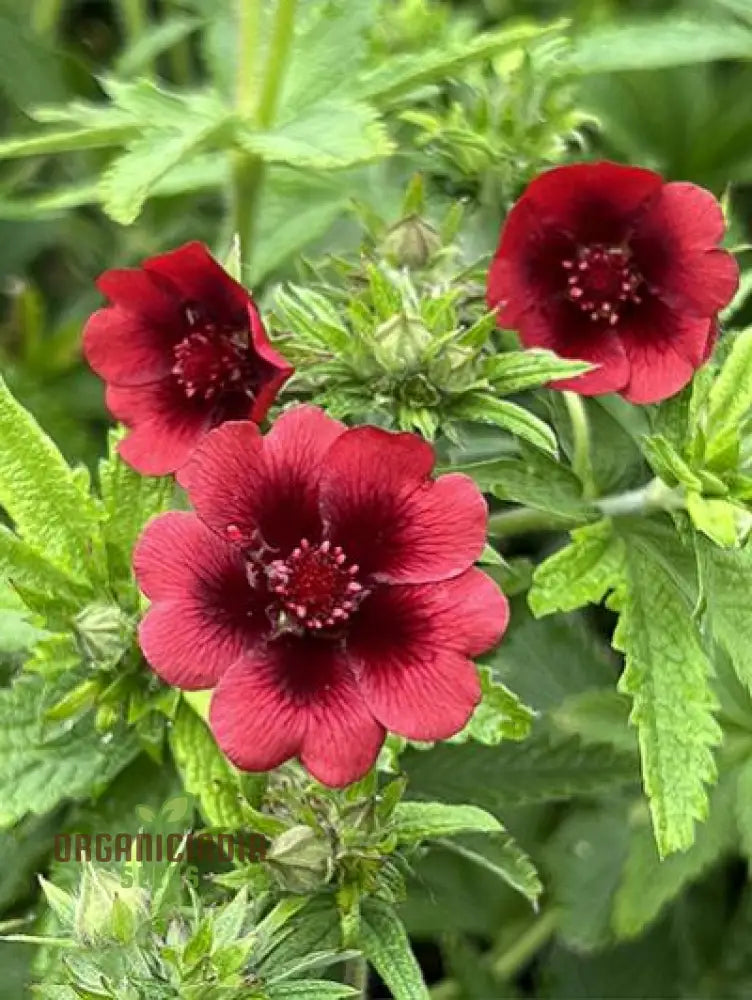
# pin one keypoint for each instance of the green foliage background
(121, 124)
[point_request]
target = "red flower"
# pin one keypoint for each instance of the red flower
(326, 588)
(182, 348)
(611, 265)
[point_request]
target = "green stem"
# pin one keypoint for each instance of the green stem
(283, 34)
(249, 23)
(248, 170)
(646, 499)
(508, 964)
(136, 24)
(581, 461)
(356, 975)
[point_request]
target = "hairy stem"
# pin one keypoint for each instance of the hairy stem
(276, 64)
(248, 170)
(581, 462)
(648, 499)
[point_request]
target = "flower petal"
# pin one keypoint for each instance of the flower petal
(205, 612)
(664, 348)
(128, 348)
(240, 481)
(197, 277)
(296, 697)
(570, 334)
(390, 518)
(411, 646)
(593, 202)
(676, 249)
(166, 425)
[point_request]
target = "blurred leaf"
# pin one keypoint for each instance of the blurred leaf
(650, 883)
(500, 856)
(672, 40)
(539, 769)
(418, 821)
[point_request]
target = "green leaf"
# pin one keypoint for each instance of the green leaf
(581, 573)
(418, 821)
(43, 764)
(160, 38)
(743, 807)
(501, 715)
(536, 480)
(42, 494)
(516, 371)
(326, 137)
(673, 40)
(399, 76)
(714, 517)
(727, 583)
(131, 177)
(500, 855)
(539, 769)
(308, 989)
(67, 140)
(584, 860)
(667, 675)
(731, 394)
(487, 409)
(667, 463)
(205, 771)
(23, 566)
(597, 716)
(385, 944)
(649, 883)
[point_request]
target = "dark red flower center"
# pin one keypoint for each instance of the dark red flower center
(210, 361)
(601, 279)
(316, 585)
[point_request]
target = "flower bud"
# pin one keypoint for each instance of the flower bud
(106, 910)
(412, 242)
(301, 859)
(103, 632)
(400, 344)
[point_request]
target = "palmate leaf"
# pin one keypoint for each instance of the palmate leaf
(667, 676)
(43, 496)
(583, 572)
(42, 764)
(327, 136)
(130, 178)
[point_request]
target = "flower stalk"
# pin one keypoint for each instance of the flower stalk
(247, 169)
(581, 461)
(645, 500)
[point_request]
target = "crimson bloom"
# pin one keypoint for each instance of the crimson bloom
(325, 588)
(182, 349)
(611, 265)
